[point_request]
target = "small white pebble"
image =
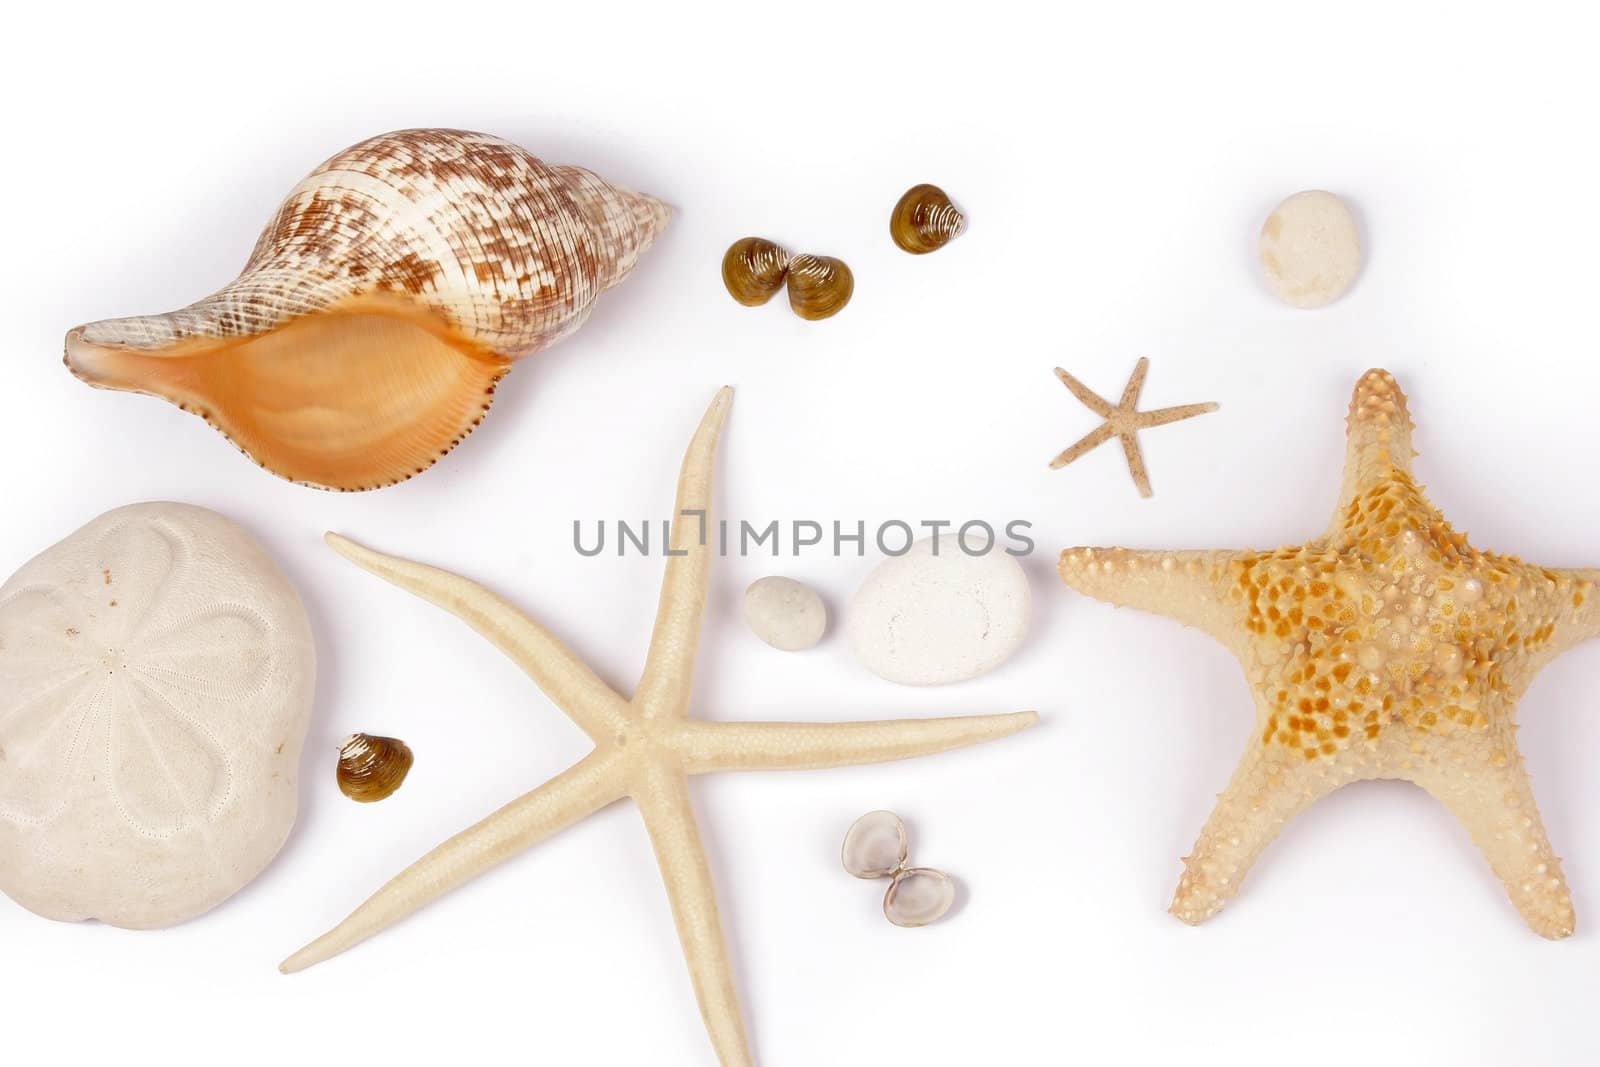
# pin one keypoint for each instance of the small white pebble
(785, 613)
(1310, 249)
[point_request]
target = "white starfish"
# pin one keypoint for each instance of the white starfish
(645, 748)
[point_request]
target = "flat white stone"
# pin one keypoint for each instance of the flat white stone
(929, 619)
(784, 613)
(1310, 249)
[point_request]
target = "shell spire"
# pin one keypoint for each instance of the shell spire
(630, 221)
(395, 285)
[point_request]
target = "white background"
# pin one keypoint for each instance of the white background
(1116, 163)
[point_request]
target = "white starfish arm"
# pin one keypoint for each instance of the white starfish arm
(1493, 798)
(1203, 589)
(669, 670)
(663, 799)
(779, 746)
(1265, 793)
(565, 679)
(572, 795)
(1379, 437)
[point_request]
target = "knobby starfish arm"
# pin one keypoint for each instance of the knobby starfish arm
(1576, 610)
(570, 796)
(1197, 588)
(1087, 443)
(777, 746)
(1090, 399)
(669, 669)
(663, 799)
(567, 680)
(1379, 439)
(1493, 797)
(1263, 796)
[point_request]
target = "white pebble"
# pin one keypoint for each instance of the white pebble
(926, 619)
(784, 613)
(1310, 249)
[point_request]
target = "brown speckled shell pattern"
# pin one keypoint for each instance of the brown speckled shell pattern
(510, 251)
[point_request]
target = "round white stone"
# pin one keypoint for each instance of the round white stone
(1310, 249)
(928, 619)
(785, 613)
(156, 675)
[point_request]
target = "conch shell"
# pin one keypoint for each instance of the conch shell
(395, 286)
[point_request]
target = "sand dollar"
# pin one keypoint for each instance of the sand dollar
(156, 676)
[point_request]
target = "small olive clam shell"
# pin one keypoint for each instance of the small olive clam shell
(875, 845)
(754, 269)
(819, 286)
(918, 896)
(371, 768)
(925, 220)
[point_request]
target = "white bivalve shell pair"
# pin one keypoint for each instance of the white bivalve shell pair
(875, 847)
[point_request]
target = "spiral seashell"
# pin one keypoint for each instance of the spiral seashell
(819, 286)
(372, 768)
(395, 286)
(753, 269)
(925, 220)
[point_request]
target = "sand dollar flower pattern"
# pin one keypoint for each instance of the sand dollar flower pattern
(156, 672)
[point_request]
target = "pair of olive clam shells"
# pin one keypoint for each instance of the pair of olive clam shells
(875, 846)
(754, 269)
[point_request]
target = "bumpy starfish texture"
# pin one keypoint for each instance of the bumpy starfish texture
(1387, 648)
(1123, 421)
(645, 748)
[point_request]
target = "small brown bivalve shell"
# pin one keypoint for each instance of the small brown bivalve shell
(925, 220)
(372, 768)
(753, 269)
(919, 896)
(819, 286)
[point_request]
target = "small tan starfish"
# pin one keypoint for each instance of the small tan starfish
(645, 748)
(1122, 421)
(1387, 648)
